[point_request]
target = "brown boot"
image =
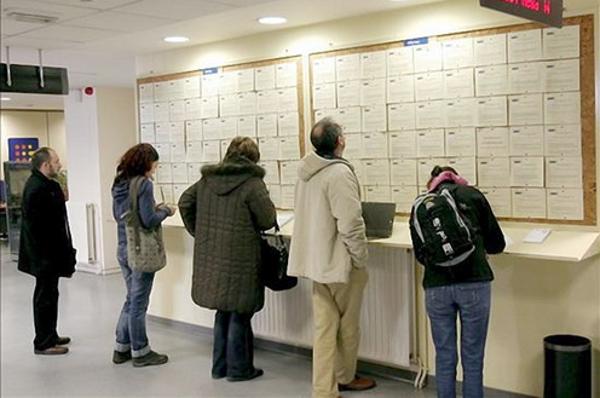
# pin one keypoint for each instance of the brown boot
(56, 350)
(358, 384)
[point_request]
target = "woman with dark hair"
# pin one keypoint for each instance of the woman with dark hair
(225, 212)
(131, 340)
(460, 286)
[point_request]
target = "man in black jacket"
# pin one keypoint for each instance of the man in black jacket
(46, 250)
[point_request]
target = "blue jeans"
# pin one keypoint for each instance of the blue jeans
(471, 302)
(233, 345)
(131, 328)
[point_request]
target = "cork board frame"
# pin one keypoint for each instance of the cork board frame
(246, 65)
(587, 92)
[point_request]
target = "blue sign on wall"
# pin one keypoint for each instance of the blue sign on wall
(22, 149)
(416, 42)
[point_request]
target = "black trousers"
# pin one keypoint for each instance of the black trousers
(45, 312)
(233, 346)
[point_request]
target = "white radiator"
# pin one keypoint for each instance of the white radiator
(386, 313)
(83, 224)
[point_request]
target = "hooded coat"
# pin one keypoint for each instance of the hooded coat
(225, 212)
(329, 235)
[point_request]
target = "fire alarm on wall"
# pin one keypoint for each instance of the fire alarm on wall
(89, 90)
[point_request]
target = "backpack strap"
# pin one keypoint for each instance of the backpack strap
(417, 204)
(134, 188)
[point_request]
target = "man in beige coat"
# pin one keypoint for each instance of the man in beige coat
(330, 248)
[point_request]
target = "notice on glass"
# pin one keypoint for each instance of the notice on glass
(529, 203)
(180, 173)
(562, 108)
(194, 173)
(287, 99)
(147, 133)
(146, 113)
(161, 111)
(288, 124)
(372, 92)
(427, 57)
(211, 151)
(247, 126)
(400, 61)
(429, 86)
(177, 131)
(354, 147)
(493, 141)
(146, 93)
(245, 80)
(227, 83)
(350, 119)
(375, 145)
(565, 204)
(527, 141)
(458, 53)
(210, 85)
(490, 50)
(269, 148)
(267, 125)
(461, 142)
(525, 110)
(492, 111)
(228, 127)
(247, 103)
(378, 193)
(193, 130)
(404, 197)
(264, 78)
(402, 116)
(564, 173)
(491, 80)
(525, 46)
(211, 129)
(403, 172)
(163, 133)
(430, 143)
(493, 172)
(460, 112)
(348, 94)
(403, 144)
(229, 105)
(347, 67)
(177, 110)
(561, 76)
(500, 200)
(289, 148)
(561, 43)
(374, 118)
(288, 193)
(525, 78)
(377, 171)
(289, 172)
(373, 65)
(209, 107)
(563, 140)
(191, 87)
(286, 74)
(266, 101)
(194, 152)
(459, 83)
(193, 108)
(324, 96)
(430, 114)
(527, 172)
(401, 89)
(271, 172)
(323, 70)
(164, 173)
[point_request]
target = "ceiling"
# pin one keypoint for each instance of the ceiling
(32, 101)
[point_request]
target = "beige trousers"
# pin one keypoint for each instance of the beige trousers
(336, 309)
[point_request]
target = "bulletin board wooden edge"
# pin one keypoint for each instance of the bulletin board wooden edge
(587, 92)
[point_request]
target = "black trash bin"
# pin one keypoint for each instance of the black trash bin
(567, 366)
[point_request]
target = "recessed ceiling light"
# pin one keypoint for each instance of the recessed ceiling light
(176, 39)
(5, 99)
(272, 20)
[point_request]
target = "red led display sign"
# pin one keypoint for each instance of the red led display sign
(548, 12)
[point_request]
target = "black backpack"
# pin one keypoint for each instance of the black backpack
(443, 235)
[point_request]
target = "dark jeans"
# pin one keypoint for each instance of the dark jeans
(471, 302)
(233, 346)
(131, 328)
(45, 312)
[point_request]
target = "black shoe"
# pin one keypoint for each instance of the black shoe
(121, 357)
(63, 340)
(150, 359)
(218, 376)
(257, 373)
(56, 350)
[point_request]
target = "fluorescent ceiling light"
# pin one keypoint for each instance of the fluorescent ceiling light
(5, 99)
(272, 20)
(176, 39)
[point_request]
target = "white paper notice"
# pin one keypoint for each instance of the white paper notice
(490, 50)
(428, 57)
(565, 204)
(525, 46)
(287, 99)
(380, 193)
(373, 65)
(374, 118)
(288, 193)
(194, 173)
(164, 173)
(209, 107)
(264, 78)
(404, 197)
(147, 133)
(178, 152)
(210, 85)
(492, 111)
(193, 108)
(493, 141)
(466, 167)
(164, 152)
(228, 127)
(275, 194)
(266, 125)
(211, 151)
(403, 144)
(458, 53)
(177, 89)
(228, 83)
(493, 172)
(289, 172)
(348, 94)
(459, 83)
(161, 111)
(178, 190)
(347, 67)
(288, 124)
(289, 148)
(400, 61)
(193, 130)
(403, 172)
(460, 112)
(491, 80)
(429, 86)
(247, 103)
(527, 172)
(161, 91)
(191, 87)
(430, 143)
(245, 80)
(563, 141)
(164, 193)
(430, 114)
(500, 200)
(564, 173)
(180, 173)
(269, 148)
(561, 43)
(350, 119)
(372, 92)
(229, 105)
(247, 126)
(266, 101)
(402, 116)
(224, 146)
(323, 70)
(562, 108)
(272, 172)
(529, 203)
(527, 141)
(146, 113)
(177, 131)
(377, 171)
(525, 78)
(401, 89)
(560, 76)
(354, 147)
(375, 145)
(163, 133)
(322, 113)
(194, 152)
(177, 110)
(146, 93)
(211, 129)
(461, 142)
(525, 109)
(286, 75)
(324, 96)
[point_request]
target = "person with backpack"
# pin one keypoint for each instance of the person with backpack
(453, 229)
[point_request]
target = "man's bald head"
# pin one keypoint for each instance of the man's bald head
(325, 136)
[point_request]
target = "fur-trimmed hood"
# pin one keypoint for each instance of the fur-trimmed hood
(224, 177)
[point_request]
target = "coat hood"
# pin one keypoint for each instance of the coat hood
(223, 178)
(313, 163)
(120, 190)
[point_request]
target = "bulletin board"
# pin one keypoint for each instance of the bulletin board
(511, 108)
(191, 117)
